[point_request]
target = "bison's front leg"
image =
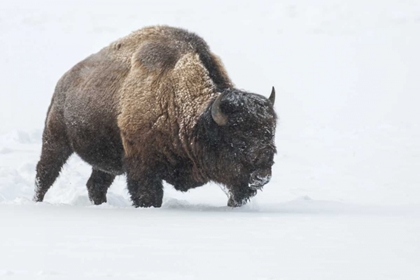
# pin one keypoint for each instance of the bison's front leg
(146, 191)
(144, 185)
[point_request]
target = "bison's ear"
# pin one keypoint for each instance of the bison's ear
(218, 116)
(272, 97)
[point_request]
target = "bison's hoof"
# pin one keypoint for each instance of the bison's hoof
(96, 197)
(38, 197)
(97, 200)
(147, 203)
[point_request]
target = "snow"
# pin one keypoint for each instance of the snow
(297, 240)
(344, 198)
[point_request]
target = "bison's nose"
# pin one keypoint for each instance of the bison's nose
(259, 179)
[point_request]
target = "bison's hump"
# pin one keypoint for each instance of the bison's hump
(157, 55)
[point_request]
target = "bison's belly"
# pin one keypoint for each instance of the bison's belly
(93, 134)
(100, 147)
(181, 176)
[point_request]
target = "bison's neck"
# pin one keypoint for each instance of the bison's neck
(203, 144)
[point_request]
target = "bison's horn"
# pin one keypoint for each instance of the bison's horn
(272, 97)
(216, 113)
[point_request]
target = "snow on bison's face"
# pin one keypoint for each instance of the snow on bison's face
(248, 121)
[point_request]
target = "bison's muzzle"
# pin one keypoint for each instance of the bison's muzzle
(259, 178)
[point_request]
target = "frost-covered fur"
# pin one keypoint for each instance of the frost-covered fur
(142, 106)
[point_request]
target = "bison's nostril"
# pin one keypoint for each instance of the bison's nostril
(258, 180)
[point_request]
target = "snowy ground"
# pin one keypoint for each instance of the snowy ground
(344, 202)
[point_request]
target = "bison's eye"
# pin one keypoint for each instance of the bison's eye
(265, 157)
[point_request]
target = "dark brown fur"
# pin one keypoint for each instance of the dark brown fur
(143, 106)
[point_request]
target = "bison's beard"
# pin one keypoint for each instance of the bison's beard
(241, 198)
(256, 181)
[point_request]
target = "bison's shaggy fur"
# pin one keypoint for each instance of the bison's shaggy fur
(158, 105)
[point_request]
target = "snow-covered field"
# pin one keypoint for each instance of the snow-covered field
(344, 201)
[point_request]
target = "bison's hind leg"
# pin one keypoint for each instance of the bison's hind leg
(55, 152)
(98, 185)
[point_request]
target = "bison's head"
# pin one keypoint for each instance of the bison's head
(246, 125)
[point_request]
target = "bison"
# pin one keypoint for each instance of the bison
(158, 105)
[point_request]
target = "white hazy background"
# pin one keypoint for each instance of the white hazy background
(344, 201)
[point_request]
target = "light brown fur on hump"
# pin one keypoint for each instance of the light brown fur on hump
(154, 45)
(164, 94)
(125, 47)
